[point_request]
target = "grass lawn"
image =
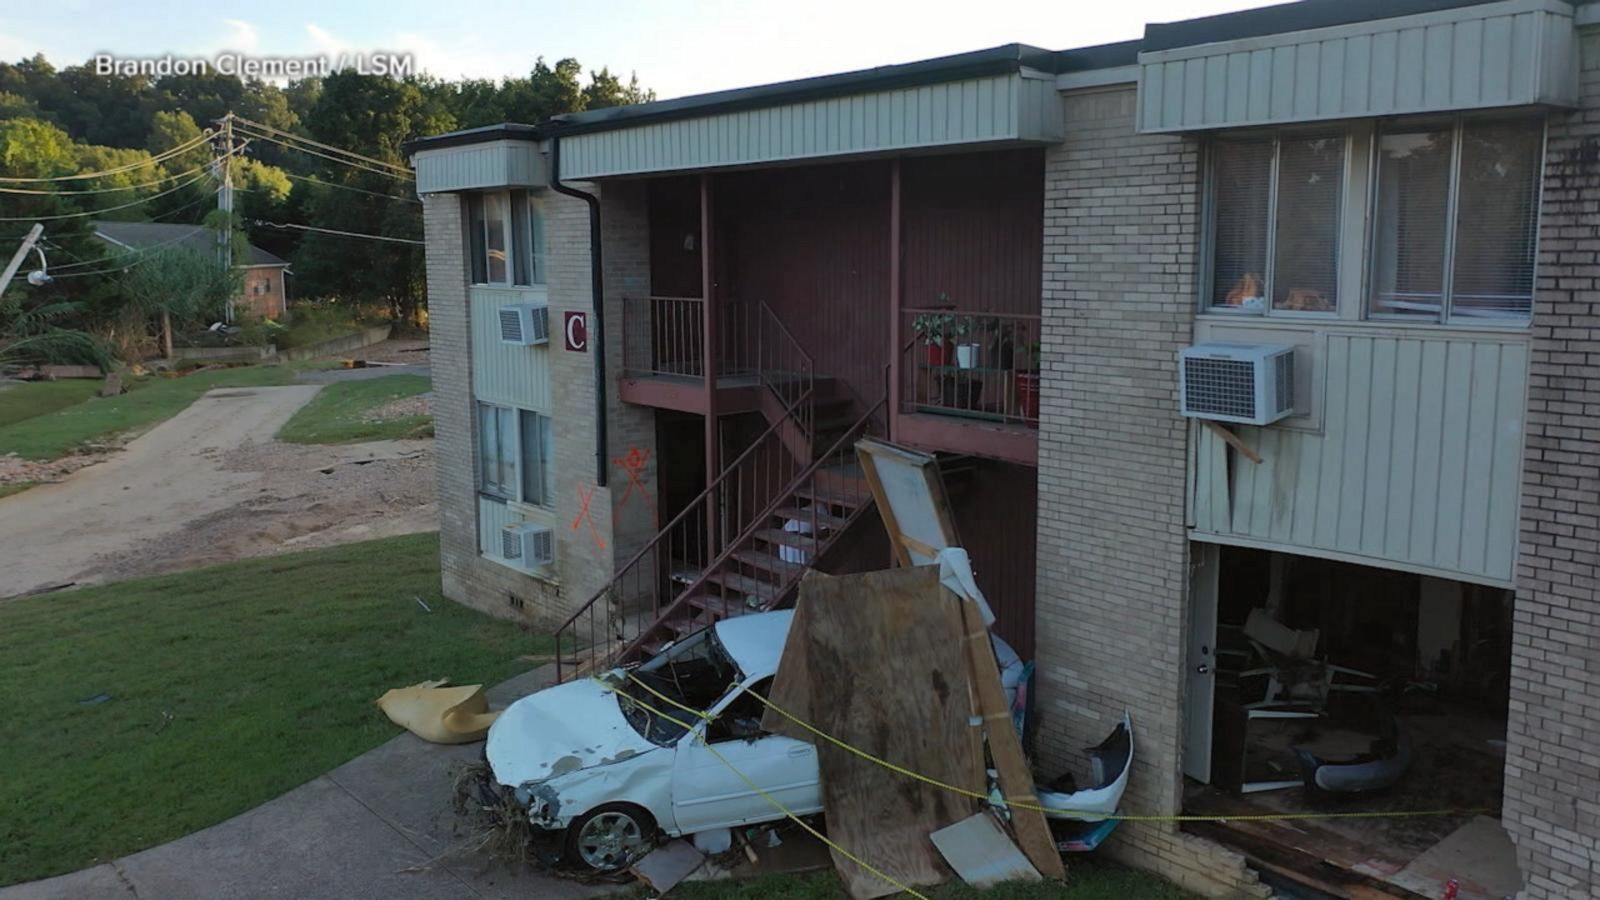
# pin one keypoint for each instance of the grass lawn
(227, 686)
(150, 399)
(35, 398)
(7, 490)
(337, 415)
(1085, 881)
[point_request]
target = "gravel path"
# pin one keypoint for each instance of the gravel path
(210, 485)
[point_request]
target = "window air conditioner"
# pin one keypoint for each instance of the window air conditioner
(528, 546)
(524, 324)
(1252, 384)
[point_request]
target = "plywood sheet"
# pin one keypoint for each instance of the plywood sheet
(887, 673)
(982, 853)
(911, 500)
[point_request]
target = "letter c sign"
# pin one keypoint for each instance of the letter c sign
(576, 326)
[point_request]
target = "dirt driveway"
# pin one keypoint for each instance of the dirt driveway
(210, 485)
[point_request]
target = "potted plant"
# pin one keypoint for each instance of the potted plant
(1028, 383)
(934, 329)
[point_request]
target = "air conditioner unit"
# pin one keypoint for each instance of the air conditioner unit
(528, 546)
(524, 324)
(1252, 384)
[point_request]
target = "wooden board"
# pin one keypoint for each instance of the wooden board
(911, 500)
(1016, 779)
(888, 674)
(982, 853)
(791, 687)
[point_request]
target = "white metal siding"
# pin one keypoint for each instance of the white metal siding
(494, 164)
(1511, 53)
(504, 373)
(1419, 460)
(998, 108)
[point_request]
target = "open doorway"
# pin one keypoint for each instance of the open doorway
(1335, 687)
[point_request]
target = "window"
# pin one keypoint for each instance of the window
(1455, 221)
(505, 238)
(513, 454)
(1275, 218)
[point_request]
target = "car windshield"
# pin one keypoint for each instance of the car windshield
(695, 672)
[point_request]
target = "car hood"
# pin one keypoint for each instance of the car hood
(577, 725)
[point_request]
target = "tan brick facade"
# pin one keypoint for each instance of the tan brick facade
(1121, 228)
(1552, 805)
(592, 541)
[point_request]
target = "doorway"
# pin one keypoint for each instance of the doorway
(1319, 686)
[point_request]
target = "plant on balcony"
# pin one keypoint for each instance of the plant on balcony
(936, 330)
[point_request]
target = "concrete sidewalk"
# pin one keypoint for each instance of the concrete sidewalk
(379, 826)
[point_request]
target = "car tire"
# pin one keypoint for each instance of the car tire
(610, 837)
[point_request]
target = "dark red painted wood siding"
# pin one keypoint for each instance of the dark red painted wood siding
(996, 512)
(812, 243)
(974, 230)
(675, 237)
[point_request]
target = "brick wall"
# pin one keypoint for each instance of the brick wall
(1552, 791)
(466, 577)
(1121, 228)
(597, 528)
(261, 295)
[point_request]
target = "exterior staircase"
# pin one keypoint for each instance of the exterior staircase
(743, 544)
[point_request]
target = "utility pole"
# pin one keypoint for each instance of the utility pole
(28, 241)
(225, 203)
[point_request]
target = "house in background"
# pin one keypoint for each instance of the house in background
(1000, 257)
(263, 293)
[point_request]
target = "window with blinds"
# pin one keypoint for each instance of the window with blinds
(1497, 221)
(1310, 198)
(1276, 205)
(1241, 209)
(1455, 222)
(514, 454)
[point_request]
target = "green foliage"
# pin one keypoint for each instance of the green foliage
(30, 148)
(340, 412)
(228, 687)
(150, 400)
(190, 287)
(24, 401)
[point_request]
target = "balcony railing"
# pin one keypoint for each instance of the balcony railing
(978, 365)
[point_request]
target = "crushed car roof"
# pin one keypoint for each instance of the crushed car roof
(755, 642)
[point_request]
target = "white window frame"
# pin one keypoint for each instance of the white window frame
(522, 250)
(1209, 226)
(519, 458)
(1445, 316)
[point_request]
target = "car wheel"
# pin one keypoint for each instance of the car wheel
(610, 837)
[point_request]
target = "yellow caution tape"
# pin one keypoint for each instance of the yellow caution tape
(1120, 817)
(773, 801)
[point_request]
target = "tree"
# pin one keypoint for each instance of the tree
(179, 285)
(606, 89)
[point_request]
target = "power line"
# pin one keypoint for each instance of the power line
(109, 190)
(355, 165)
(375, 161)
(353, 234)
(346, 187)
(96, 212)
(168, 154)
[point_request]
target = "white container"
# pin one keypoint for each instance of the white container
(966, 356)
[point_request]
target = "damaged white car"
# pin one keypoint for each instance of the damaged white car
(584, 760)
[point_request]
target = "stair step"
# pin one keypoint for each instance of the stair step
(786, 538)
(718, 607)
(828, 496)
(744, 585)
(825, 519)
(769, 563)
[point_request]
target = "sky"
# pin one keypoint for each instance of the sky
(681, 48)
